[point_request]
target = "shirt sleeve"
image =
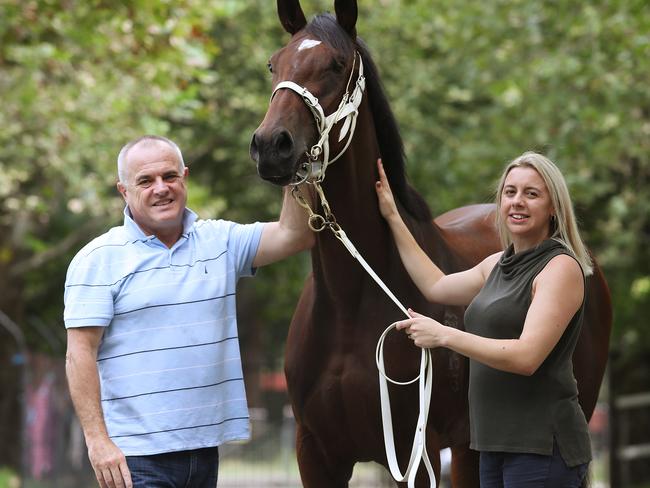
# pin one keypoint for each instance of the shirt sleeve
(243, 242)
(88, 299)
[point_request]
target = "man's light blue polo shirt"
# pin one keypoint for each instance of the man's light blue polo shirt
(169, 361)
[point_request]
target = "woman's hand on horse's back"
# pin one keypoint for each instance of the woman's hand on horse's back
(387, 205)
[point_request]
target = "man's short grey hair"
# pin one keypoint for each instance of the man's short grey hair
(148, 139)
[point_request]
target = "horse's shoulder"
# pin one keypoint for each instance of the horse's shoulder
(470, 232)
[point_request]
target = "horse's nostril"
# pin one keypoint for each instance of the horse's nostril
(253, 149)
(284, 144)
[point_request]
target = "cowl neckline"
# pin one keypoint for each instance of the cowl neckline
(511, 262)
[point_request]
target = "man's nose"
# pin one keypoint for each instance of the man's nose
(159, 185)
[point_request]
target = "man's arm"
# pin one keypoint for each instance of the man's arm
(106, 458)
(289, 235)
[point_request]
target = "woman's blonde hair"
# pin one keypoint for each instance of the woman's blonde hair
(564, 227)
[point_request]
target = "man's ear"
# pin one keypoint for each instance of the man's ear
(122, 189)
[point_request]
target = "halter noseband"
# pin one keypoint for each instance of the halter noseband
(318, 156)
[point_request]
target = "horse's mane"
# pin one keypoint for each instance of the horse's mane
(326, 28)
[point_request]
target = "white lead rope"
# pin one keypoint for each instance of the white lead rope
(419, 449)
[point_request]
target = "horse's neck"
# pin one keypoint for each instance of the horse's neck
(349, 187)
(350, 191)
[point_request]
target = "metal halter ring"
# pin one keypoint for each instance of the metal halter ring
(316, 222)
(315, 152)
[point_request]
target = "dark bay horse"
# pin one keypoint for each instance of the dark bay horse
(330, 351)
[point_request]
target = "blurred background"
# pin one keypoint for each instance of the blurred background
(473, 84)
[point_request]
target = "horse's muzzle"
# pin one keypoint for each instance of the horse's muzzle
(276, 155)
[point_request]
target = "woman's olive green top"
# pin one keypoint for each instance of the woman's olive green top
(516, 413)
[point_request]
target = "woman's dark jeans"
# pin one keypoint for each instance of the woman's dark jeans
(520, 470)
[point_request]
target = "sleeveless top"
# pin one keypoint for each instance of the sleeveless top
(516, 413)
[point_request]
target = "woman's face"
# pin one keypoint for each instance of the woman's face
(526, 207)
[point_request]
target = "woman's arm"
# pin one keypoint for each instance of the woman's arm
(558, 292)
(454, 289)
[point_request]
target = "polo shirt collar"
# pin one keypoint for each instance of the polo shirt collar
(134, 230)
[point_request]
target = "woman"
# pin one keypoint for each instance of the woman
(523, 319)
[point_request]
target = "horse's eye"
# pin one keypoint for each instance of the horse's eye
(269, 66)
(337, 65)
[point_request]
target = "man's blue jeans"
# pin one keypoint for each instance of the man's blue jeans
(520, 470)
(183, 469)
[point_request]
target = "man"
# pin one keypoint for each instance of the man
(153, 359)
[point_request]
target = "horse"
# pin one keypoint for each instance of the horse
(330, 349)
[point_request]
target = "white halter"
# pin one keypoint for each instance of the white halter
(347, 110)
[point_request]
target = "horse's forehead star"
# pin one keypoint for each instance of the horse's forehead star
(308, 44)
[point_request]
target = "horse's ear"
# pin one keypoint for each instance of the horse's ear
(346, 15)
(291, 15)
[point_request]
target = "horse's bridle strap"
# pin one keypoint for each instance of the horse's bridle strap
(310, 100)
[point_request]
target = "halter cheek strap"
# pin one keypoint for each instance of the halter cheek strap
(347, 111)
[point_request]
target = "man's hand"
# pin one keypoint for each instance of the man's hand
(109, 464)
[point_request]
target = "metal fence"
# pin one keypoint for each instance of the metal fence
(56, 457)
(269, 459)
(55, 453)
(629, 418)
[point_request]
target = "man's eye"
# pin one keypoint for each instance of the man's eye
(171, 177)
(144, 183)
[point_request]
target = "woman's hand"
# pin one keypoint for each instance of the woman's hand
(423, 331)
(385, 197)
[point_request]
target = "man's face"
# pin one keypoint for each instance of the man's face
(155, 188)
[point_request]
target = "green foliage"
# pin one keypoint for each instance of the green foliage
(8, 479)
(473, 84)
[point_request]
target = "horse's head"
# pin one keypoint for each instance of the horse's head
(311, 74)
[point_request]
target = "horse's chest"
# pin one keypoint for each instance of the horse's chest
(340, 387)
(342, 407)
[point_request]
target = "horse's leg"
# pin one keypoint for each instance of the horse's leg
(464, 467)
(316, 471)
